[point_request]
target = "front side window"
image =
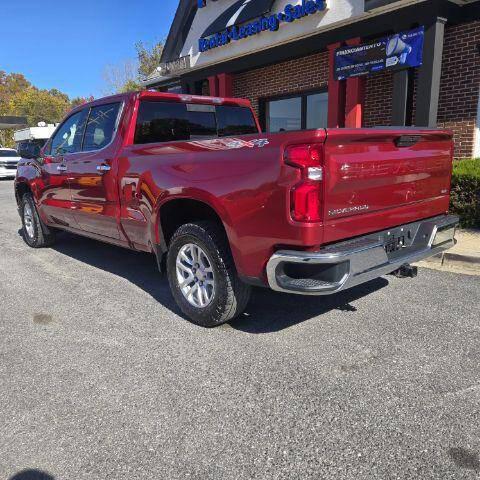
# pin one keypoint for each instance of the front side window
(101, 126)
(68, 138)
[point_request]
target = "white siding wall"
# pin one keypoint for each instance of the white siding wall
(337, 10)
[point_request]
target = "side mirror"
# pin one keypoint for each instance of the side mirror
(29, 151)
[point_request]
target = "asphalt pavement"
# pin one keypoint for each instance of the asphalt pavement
(101, 378)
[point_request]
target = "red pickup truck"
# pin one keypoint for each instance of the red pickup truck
(224, 206)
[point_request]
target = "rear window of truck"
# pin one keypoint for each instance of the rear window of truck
(167, 121)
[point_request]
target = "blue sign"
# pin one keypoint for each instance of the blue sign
(240, 12)
(271, 23)
(402, 50)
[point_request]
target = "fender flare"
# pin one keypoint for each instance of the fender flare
(197, 195)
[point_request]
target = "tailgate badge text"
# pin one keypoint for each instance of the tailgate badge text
(343, 211)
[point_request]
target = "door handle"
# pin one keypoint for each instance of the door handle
(104, 168)
(62, 168)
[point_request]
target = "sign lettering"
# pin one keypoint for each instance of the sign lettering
(403, 50)
(271, 23)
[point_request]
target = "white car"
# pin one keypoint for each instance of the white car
(9, 159)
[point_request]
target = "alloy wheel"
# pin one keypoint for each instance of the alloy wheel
(28, 220)
(195, 275)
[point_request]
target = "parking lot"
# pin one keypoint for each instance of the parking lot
(100, 377)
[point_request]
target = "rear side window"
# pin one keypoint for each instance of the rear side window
(166, 122)
(235, 121)
(101, 126)
(161, 122)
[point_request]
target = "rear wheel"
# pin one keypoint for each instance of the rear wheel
(202, 275)
(35, 233)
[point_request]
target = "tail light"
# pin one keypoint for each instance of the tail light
(306, 196)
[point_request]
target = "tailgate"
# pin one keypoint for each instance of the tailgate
(380, 178)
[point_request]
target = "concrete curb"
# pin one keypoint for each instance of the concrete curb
(454, 262)
(458, 257)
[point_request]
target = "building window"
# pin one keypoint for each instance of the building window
(296, 112)
(176, 88)
(317, 110)
(284, 115)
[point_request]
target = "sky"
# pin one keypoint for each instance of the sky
(67, 44)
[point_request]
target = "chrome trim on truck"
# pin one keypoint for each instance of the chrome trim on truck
(349, 263)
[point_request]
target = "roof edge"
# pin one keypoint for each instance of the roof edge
(181, 15)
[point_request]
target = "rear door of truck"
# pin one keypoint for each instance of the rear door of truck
(380, 178)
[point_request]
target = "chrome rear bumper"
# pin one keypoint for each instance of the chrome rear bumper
(345, 264)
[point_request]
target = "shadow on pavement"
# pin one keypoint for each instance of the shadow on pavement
(32, 475)
(267, 311)
(464, 458)
(137, 267)
(270, 311)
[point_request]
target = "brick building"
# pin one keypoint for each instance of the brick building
(289, 72)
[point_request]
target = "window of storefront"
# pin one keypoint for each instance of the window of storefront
(284, 114)
(296, 112)
(317, 110)
(175, 88)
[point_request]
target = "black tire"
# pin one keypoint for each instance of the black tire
(35, 233)
(230, 295)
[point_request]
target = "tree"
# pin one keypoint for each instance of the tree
(128, 75)
(18, 97)
(39, 106)
(121, 78)
(10, 84)
(149, 58)
(77, 101)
